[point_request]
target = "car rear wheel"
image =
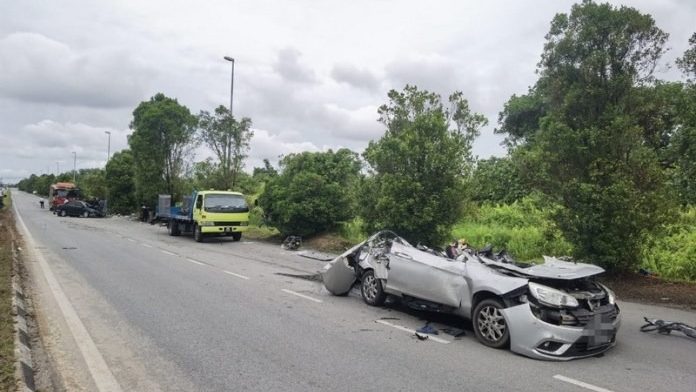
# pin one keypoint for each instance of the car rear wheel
(85, 214)
(371, 289)
(62, 213)
(489, 324)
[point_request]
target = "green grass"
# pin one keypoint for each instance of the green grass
(7, 359)
(673, 254)
(262, 233)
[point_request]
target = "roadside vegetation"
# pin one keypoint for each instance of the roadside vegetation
(599, 166)
(7, 359)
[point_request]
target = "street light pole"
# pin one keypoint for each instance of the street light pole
(108, 146)
(74, 168)
(229, 144)
(57, 168)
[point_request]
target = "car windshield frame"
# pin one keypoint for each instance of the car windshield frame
(224, 202)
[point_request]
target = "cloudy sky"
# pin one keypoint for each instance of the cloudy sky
(310, 74)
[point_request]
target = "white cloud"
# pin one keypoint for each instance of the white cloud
(289, 67)
(354, 76)
(36, 68)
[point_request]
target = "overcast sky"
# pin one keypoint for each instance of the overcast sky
(310, 74)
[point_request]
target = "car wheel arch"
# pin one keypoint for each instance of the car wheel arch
(482, 295)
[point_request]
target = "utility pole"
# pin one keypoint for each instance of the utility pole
(57, 168)
(108, 146)
(228, 155)
(74, 168)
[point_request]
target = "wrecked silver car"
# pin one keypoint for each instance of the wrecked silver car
(554, 310)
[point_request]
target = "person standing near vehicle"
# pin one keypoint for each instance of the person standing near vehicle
(41, 202)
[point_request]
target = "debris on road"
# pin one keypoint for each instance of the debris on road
(455, 332)
(666, 327)
(421, 336)
(292, 242)
(310, 254)
(428, 329)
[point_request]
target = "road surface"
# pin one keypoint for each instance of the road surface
(153, 312)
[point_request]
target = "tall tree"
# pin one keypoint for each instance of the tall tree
(120, 182)
(162, 143)
(595, 146)
(228, 138)
(418, 167)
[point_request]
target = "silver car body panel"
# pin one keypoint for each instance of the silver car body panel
(407, 271)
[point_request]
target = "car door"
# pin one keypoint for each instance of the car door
(423, 275)
(73, 208)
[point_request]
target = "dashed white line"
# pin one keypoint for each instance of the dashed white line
(302, 295)
(237, 275)
(168, 252)
(413, 331)
(131, 240)
(146, 245)
(580, 383)
(195, 261)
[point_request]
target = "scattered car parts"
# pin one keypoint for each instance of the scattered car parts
(666, 327)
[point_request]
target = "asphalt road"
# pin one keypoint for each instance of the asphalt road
(167, 313)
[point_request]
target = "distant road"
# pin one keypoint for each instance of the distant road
(167, 313)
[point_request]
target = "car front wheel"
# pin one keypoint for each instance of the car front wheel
(489, 324)
(63, 213)
(85, 214)
(371, 289)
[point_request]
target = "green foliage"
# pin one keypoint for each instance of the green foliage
(120, 181)
(520, 117)
(92, 183)
(673, 253)
(161, 144)
(687, 63)
(597, 147)
(419, 165)
(312, 193)
(496, 180)
(229, 139)
(524, 228)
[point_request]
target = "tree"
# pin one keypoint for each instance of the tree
(496, 180)
(595, 148)
(314, 191)
(687, 63)
(120, 181)
(417, 169)
(229, 139)
(161, 143)
(92, 183)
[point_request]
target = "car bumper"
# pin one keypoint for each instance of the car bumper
(223, 229)
(535, 338)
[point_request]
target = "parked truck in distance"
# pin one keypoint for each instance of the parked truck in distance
(206, 214)
(61, 193)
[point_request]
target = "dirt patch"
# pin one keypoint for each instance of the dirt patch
(652, 290)
(328, 242)
(7, 358)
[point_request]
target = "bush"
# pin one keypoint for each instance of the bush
(314, 192)
(523, 228)
(673, 255)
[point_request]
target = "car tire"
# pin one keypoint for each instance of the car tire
(371, 289)
(197, 233)
(236, 236)
(173, 228)
(490, 325)
(85, 214)
(62, 213)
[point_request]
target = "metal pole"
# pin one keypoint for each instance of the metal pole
(57, 168)
(74, 168)
(230, 59)
(229, 144)
(108, 146)
(108, 156)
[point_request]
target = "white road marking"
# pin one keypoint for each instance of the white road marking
(237, 275)
(302, 295)
(98, 369)
(580, 383)
(195, 261)
(131, 240)
(413, 331)
(146, 245)
(168, 253)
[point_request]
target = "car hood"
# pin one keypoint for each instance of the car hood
(551, 268)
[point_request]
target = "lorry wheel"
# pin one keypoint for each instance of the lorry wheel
(197, 233)
(173, 228)
(236, 236)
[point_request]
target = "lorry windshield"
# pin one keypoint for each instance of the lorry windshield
(225, 203)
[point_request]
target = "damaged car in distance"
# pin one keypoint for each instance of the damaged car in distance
(555, 310)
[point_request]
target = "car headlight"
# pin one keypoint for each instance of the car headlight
(552, 297)
(610, 294)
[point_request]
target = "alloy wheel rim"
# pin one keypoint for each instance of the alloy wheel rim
(491, 323)
(370, 287)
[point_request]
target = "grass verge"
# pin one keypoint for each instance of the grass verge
(7, 359)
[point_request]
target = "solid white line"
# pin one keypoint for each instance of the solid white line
(195, 262)
(98, 369)
(237, 275)
(302, 295)
(581, 384)
(168, 253)
(146, 245)
(130, 239)
(413, 331)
